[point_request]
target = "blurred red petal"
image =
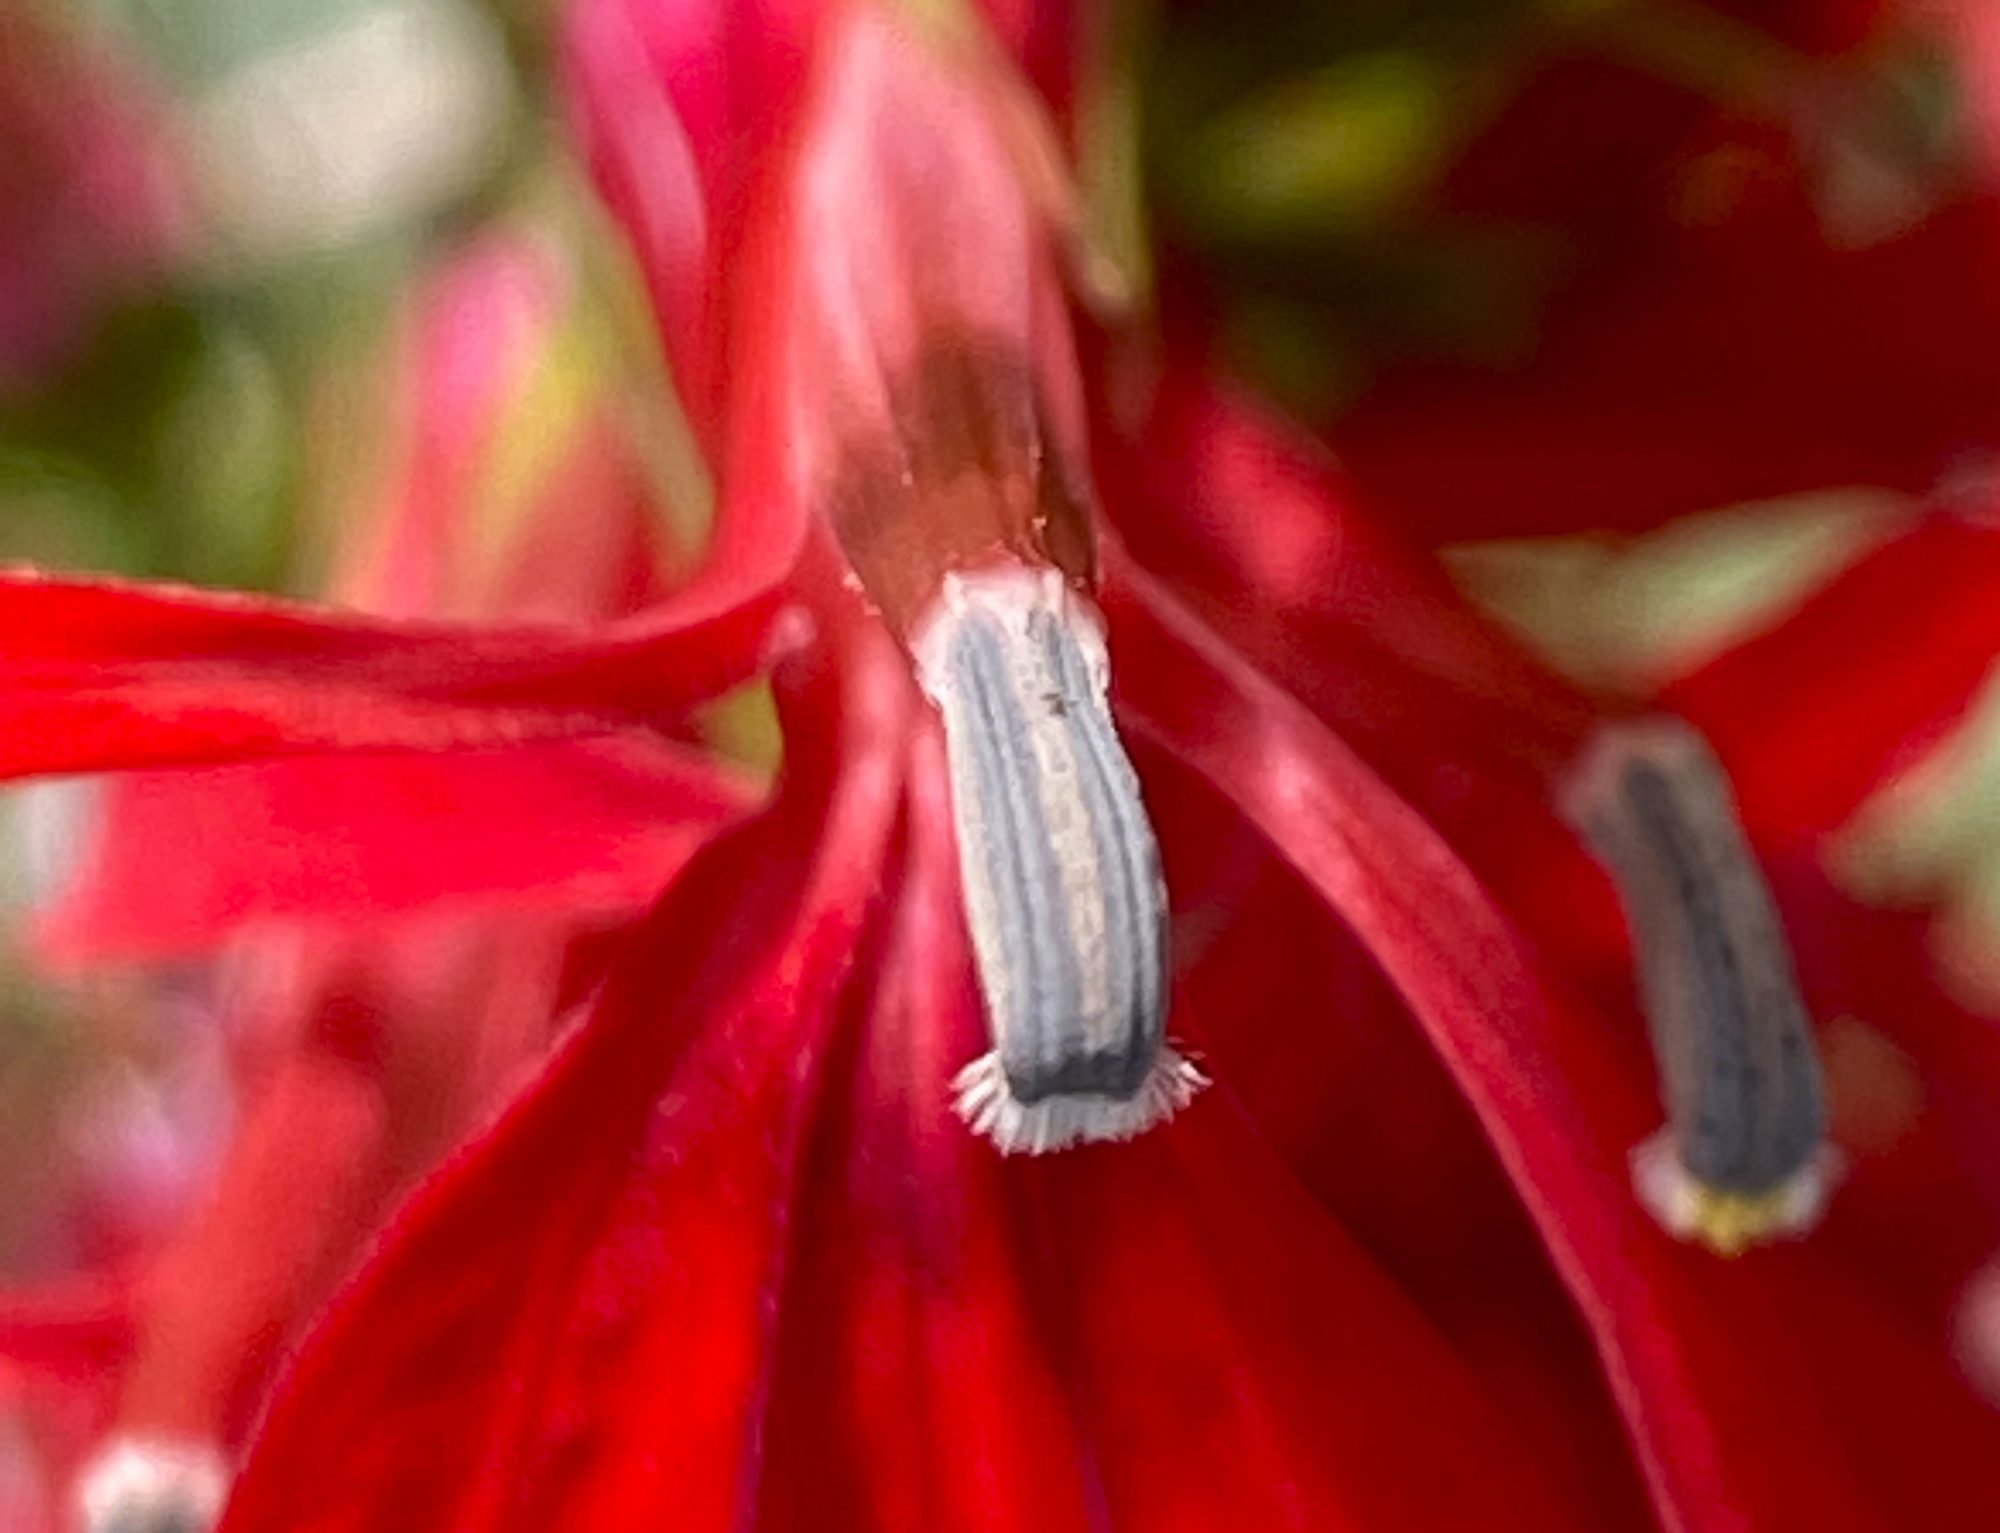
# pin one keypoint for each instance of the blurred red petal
(1974, 29)
(103, 674)
(480, 326)
(1715, 366)
(1052, 41)
(677, 104)
(178, 862)
(221, 1302)
(1832, 701)
(76, 1329)
(92, 194)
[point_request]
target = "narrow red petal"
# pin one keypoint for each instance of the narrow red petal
(301, 1181)
(75, 1329)
(101, 674)
(678, 103)
(178, 862)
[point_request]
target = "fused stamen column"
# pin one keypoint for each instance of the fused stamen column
(1743, 1157)
(1060, 870)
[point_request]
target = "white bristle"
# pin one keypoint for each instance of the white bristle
(1060, 1122)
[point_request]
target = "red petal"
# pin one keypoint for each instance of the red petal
(104, 674)
(1244, 515)
(1919, 1213)
(570, 564)
(78, 1329)
(1051, 40)
(678, 103)
(1314, 583)
(482, 323)
(570, 1328)
(1238, 1355)
(300, 1183)
(1159, 1335)
(914, 1386)
(180, 861)
(1818, 712)
(390, 1048)
(93, 196)
(1975, 35)
(1297, 1023)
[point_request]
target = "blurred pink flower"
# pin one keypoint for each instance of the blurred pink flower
(91, 196)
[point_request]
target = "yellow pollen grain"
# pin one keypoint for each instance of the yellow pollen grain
(1730, 1223)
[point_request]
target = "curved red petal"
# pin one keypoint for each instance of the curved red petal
(1297, 1023)
(1247, 519)
(178, 862)
(1314, 583)
(103, 674)
(677, 104)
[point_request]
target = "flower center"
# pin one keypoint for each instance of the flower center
(1059, 867)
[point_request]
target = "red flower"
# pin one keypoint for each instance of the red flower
(1694, 1344)
(733, 1258)
(833, 1248)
